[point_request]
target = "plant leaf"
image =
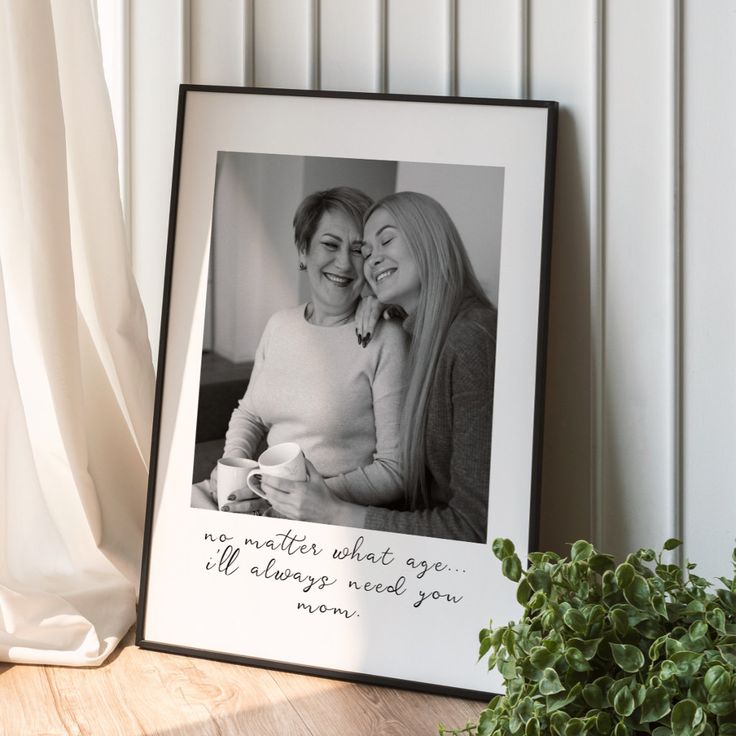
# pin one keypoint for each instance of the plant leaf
(629, 658)
(485, 645)
(581, 550)
(575, 659)
(601, 563)
(523, 592)
(603, 722)
(656, 705)
(588, 647)
(525, 709)
(717, 619)
(637, 593)
(728, 652)
(561, 700)
(593, 696)
(672, 543)
(558, 721)
(659, 605)
(717, 681)
(667, 670)
(511, 568)
(541, 658)
(687, 663)
(625, 573)
(697, 630)
(688, 719)
(540, 580)
(576, 621)
(575, 727)
(619, 620)
(502, 548)
(623, 703)
(550, 682)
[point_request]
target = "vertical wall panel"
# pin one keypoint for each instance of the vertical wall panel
(490, 41)
(284, 43)
(639, 460)
(420, 50)
(709, 276)
(218, 43)
(351, 45)
(159, 52)
(562, 53)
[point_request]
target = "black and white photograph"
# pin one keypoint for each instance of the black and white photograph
(349, 396)
(351, 325)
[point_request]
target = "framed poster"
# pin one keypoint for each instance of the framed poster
(350, 383)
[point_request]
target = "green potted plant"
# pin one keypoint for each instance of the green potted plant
(642, 647)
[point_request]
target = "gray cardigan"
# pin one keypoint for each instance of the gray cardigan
(458, 435)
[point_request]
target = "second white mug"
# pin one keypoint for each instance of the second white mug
(285, 460)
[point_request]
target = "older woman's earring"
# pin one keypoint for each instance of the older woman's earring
(302, 266)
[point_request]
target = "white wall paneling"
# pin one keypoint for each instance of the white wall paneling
(351, 45)
(286, 33)
(640, 438)
(709, 275)
(159, 62)
(563, 53)
(639, 339)
(492, 48)
(420, 54)
(219, 41)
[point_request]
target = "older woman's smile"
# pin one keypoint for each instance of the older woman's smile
(336, 279)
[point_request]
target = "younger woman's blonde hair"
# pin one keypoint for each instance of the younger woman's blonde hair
(447, 278)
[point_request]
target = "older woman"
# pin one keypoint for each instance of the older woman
(414, 258)
(313, 383)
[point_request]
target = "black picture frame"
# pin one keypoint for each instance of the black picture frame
(179, 598)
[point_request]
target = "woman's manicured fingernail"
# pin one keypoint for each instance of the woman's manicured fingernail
(225, 508)
(360, 339)
(231, 497)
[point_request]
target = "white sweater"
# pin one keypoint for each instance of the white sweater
(340, 402)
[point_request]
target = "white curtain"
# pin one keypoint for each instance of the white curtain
(76, 377)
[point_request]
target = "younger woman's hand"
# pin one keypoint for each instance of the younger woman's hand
(368, 315)
(310, 500)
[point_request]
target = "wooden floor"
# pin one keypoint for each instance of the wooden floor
(145, 693)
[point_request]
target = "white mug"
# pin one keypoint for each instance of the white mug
(285, 460)
(232, 475)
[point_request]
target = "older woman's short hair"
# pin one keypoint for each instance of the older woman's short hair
(348, 200)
